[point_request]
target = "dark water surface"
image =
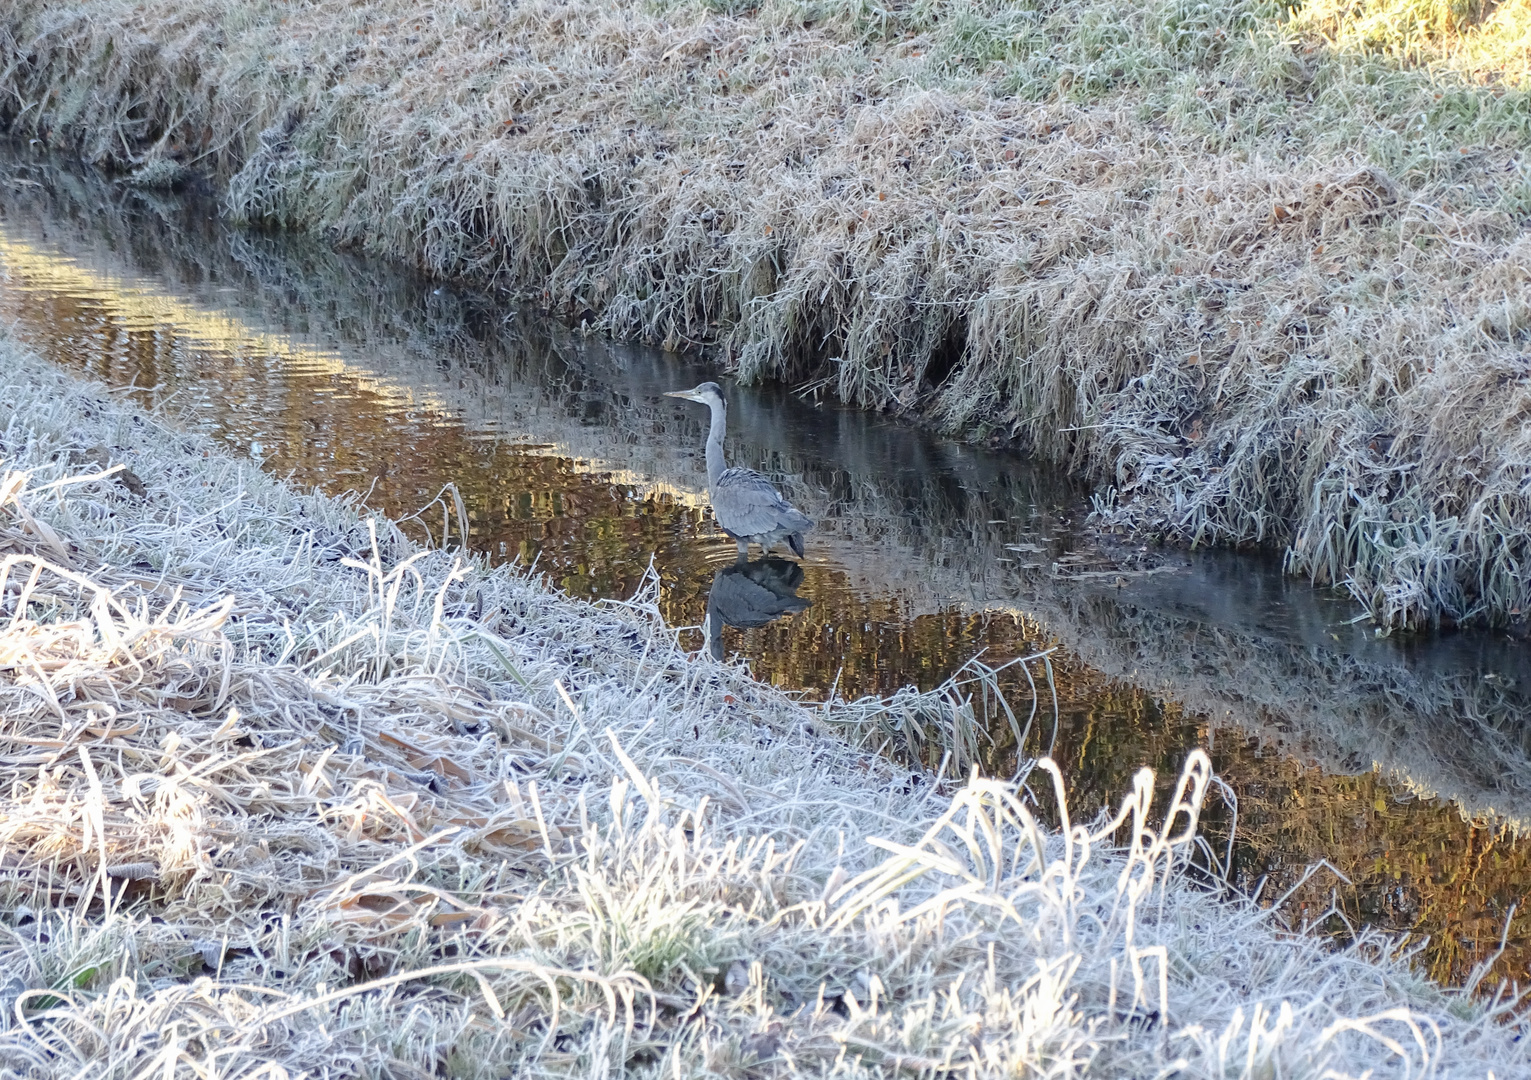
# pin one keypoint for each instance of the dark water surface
(1404, 763)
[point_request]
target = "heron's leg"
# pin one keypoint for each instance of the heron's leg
(744, 549)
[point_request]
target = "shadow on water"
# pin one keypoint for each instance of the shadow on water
(1405, 763)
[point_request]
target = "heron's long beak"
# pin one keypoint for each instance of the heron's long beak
(685, 394)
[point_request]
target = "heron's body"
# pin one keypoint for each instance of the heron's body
(746, 505)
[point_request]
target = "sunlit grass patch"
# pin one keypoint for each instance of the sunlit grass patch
(1474, 40)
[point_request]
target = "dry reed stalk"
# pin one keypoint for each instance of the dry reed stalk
(1262, 290)
(283, 795)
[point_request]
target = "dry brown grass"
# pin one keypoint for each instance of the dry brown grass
(1265, 292)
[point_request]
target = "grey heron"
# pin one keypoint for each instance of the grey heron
(746, 505)
(749, 594)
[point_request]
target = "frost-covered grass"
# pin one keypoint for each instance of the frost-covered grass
(281, 793)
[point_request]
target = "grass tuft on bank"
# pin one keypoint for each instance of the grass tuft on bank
(1263, 288)
(283, 794)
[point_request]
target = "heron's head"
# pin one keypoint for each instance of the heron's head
(708, 393)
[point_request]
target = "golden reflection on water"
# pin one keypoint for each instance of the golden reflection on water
(314, 414)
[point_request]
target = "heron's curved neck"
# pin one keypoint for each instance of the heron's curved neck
(715, 464)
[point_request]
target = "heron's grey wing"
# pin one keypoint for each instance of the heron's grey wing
(747, 504)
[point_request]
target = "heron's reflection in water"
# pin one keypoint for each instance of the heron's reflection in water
(749, 594)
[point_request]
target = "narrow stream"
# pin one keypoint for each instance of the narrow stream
(1403, 762)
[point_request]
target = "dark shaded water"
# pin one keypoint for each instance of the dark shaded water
(352, 376)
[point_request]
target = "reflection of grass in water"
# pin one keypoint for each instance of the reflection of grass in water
(1449, 732)
(1411, 865)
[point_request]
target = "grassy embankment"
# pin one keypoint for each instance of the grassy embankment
(1262, 288)
(362, 806)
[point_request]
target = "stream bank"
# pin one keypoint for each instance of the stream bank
(1256, 290)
